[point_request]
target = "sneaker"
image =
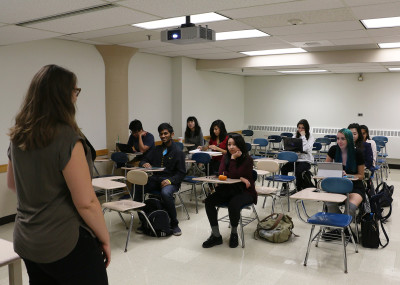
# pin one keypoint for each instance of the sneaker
(212, 241)
(234, 240)
(331, 235)
(176, 231)
(139, 230)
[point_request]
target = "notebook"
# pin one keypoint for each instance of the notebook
(125, 148)
(330, 169)
(293, 144)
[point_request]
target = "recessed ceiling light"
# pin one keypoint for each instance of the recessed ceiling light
(244, 34)
(274, 51)
(381, 23)
(393, 68)
(177, 21)
(303, 71)
(389, 45)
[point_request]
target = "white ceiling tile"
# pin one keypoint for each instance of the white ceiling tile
(377, 11)
(315, 28)
(229, 25)
(283, 8)
(306, 17)
(106, 32)
(13, 34)
(384, 32)
(365, 2)
(140, 36)
(203, 51)
(16, 11)
(94, 21)
(352, 41)
(258, 47)
(145, 44)
(325, 36)
(252, 41)
(228, 55)
(387, 39)
(175, 8)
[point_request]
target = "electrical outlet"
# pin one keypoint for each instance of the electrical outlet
(360, 114)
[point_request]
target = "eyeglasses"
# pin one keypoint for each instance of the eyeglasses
(77, 91)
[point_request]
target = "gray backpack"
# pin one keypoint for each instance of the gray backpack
(276, 228)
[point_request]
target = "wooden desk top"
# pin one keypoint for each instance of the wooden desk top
(188, 144)
(280, 161)
(153, 169)
(107, 184)
(211, 153)
(321, 178)
(309, 194)
(190, 161)
(213, 179)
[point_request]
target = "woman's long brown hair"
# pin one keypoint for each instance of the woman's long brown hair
(47, 104)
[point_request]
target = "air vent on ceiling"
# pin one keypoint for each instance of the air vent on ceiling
(68, 14)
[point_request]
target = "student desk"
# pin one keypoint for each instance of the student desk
(10, 258)
(213, 179)
(210, 153)
(313, 194)
(152, 169)
(108, 183)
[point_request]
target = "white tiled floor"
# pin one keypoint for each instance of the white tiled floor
(182, 260)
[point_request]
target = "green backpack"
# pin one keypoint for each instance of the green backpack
(276, 228)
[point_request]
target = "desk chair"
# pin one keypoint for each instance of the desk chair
(287, 135)
(382, 154)
(332, 138)
(273, 140)
(285, 179)
(248, 147)
(205, 159)
(325, 142)
(332, 220)
(120, 159)
(317, 155)
(262, 143)
(244, 220)
(248, 133)
(128, 206)
(266, 191)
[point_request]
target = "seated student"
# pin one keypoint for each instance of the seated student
(353, 164)
(236, 164)
(193, 133)
(218, 142)
(139, 139)
(366, 138)
(167, 182)
(304, 160)
(363, 146)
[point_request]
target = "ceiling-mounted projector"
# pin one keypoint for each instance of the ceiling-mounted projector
(188, 34)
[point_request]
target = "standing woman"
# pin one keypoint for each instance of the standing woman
(193, 133)
(363, 146)
(237, 164)
(353, 165)
(59, 228)
(305, 159)
(218, 142)
(367, 139)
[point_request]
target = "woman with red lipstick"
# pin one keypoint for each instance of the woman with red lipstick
(235, 164)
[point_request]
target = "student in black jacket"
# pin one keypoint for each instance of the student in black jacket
(167, 182)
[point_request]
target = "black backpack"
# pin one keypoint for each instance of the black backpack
(386, 198)
(306, 180)
(158, 218)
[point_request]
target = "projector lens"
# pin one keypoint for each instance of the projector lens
(174, 35)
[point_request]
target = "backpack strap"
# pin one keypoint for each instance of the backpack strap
(386, 236)
(278, 219)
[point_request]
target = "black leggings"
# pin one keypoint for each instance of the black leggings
(231, 194)
(83, 265)
(301, 166)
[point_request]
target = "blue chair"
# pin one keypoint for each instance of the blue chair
(248, 133)
(332, 220)
(248, 147)
(332, 138)
(325, 142)
(120, 159)
(382, 154)
(203, 158)
(287, 135)
(275, 139)
(289, 156)
(244, 220)
(262, 143)
(180, 145)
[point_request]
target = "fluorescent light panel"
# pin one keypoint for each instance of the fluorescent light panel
(303, 71)
(177, 21)
(389, 45)
(381, 23)
(393, 68)
(244, 34)
(274, 51)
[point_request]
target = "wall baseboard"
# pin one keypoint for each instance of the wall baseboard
(7, 219)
